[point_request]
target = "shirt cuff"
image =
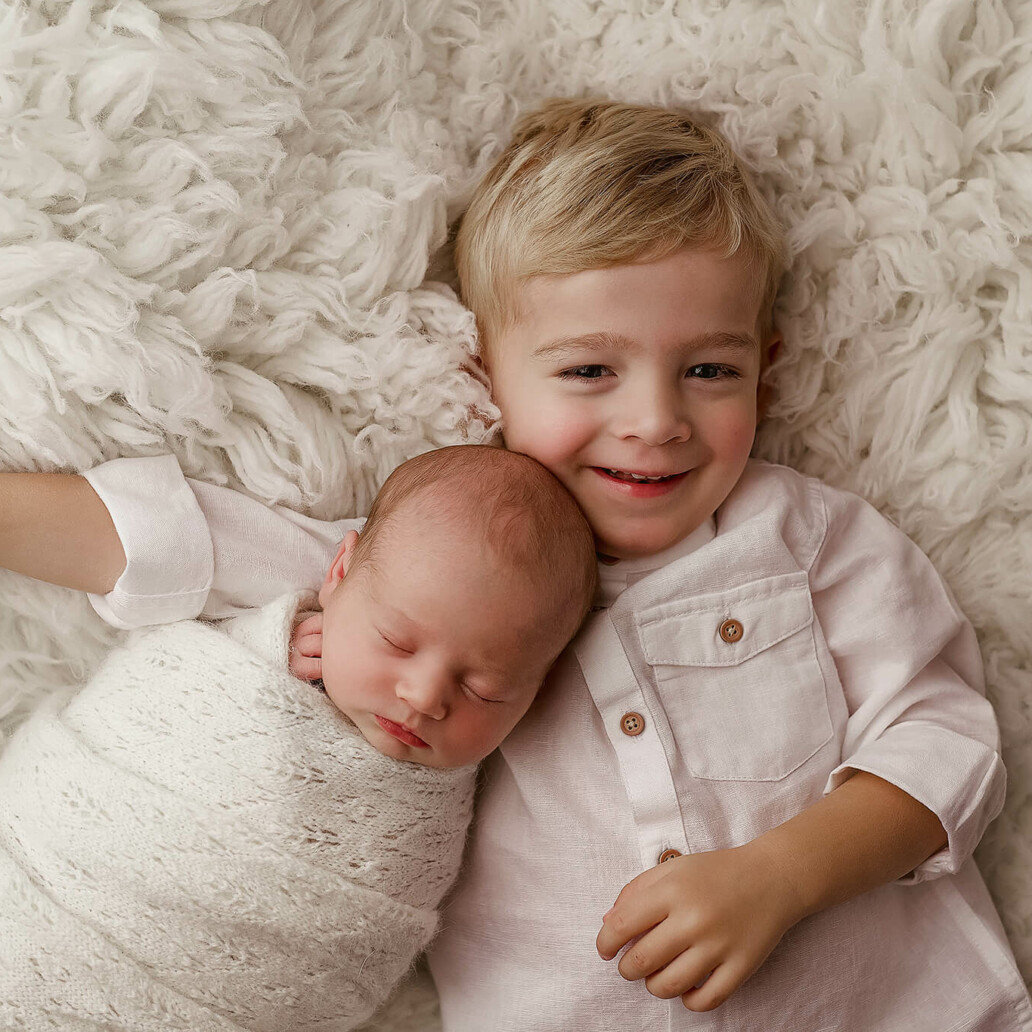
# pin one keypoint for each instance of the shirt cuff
(168, 551)
(961, 780)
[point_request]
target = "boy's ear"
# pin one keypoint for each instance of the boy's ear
(339, 567)
(476, 366)
(765, 393)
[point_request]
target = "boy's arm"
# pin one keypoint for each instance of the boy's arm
(865, 833)
(54, 527)
(719, 914)
(187, 548)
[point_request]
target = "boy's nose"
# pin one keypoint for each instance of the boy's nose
(655, 418)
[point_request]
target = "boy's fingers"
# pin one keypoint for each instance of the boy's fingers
(722, 982)
(652, 952)
(682, 974)
(622, 924)
(637, 909)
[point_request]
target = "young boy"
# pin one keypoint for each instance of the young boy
(765, 762)
(199, 840)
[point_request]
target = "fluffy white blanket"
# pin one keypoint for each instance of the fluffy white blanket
(197, 840)
(224, 226)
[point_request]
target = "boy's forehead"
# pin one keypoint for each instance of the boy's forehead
(695, 294)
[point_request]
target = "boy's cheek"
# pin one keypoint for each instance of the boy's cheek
(735, 431)
(553, 439)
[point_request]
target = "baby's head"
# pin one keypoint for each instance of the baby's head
(622, 266)
(441, 620)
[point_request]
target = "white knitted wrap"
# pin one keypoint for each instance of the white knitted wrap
(198, 840)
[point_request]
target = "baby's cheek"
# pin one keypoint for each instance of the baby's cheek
(341, 679)
(471, 736)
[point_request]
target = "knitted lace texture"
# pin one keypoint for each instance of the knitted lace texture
(199, 841)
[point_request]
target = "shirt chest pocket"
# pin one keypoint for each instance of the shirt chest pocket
(740, 679)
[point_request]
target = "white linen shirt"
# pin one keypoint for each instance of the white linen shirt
(849, 654)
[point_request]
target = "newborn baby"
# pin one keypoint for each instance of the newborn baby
(200, 840)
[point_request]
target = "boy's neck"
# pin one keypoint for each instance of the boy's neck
(617, 575)
(699, 536)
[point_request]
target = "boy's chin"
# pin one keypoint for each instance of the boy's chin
(640, 545)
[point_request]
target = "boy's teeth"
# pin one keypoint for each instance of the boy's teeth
(633, 476)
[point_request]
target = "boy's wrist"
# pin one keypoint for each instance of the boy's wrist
(865, 833)
(797, 894)
(54, 527)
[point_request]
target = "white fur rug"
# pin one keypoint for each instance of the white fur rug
(222, 226)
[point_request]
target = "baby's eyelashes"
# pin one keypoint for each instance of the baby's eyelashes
(478, 693)
(400, 649)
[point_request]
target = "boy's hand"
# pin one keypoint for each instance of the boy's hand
(306, 648)
(716, 914)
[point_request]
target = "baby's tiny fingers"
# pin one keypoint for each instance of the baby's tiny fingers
(310, 625)
(308, 644)
(306, 668)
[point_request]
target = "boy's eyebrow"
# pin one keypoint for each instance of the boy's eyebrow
(603, 341)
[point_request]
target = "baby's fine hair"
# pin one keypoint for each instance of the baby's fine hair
(508, 505)
(588, 184)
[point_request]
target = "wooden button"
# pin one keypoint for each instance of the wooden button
(632, 724)
(731, 631)
(668, 854)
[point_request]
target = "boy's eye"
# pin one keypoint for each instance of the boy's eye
(584, 372)
(712, 371)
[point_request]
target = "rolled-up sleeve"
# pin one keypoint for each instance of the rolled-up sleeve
(193, 549)
(911, 672)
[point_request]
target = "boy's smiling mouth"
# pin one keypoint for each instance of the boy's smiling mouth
(638, 478)
(640, 485)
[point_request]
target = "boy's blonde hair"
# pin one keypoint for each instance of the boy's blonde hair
(587, 184)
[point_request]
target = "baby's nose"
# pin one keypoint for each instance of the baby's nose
(426, 696)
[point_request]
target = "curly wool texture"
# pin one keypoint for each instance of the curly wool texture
(219, 219)
(200, 841)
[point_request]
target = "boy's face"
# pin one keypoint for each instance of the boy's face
(649, 369)
(432, 650)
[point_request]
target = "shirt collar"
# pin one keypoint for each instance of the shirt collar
(614, 579)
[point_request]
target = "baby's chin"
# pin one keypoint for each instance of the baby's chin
(366, 725)
(391, 747)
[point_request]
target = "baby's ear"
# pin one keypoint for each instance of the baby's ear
(339, 567)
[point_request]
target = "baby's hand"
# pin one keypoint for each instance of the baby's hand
(306, 648)
(716, 914)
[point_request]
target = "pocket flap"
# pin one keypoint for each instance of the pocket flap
(688, 633)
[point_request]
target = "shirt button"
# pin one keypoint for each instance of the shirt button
(731, 631)
(632, 724)
(668, 854)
